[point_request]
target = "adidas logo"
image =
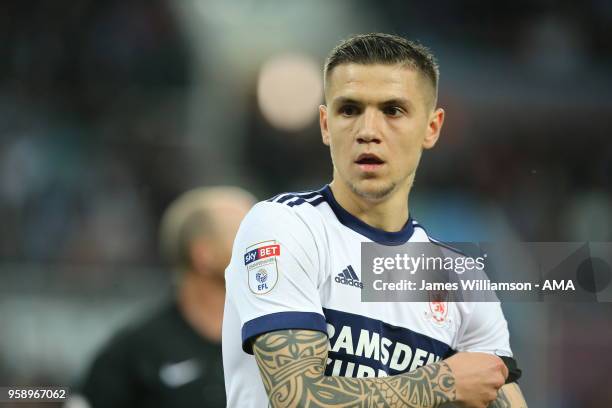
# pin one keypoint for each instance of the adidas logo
(349, 277)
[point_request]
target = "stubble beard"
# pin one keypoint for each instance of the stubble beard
(377, 194)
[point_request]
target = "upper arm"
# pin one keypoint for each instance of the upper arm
(273, 276)
(484, 329)
(291, 362)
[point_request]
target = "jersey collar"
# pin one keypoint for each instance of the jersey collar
(377, 235)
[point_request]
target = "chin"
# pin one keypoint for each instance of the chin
(373, 189)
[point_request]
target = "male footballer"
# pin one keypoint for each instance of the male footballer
(295, 332)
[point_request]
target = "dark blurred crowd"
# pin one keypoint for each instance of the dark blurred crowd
(93, 100)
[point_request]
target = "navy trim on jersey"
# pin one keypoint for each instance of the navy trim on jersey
(317, 201)
(445, 245)
(302, 194)
(285, 198)
(375, 234)
(280, 321)
(296, 202)
(298, 198)
(437, 242)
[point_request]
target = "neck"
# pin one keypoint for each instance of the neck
(388, 214)
(201, 300)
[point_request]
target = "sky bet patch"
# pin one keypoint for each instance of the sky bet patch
(260, 260)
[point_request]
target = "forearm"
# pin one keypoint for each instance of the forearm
(428, 386)
(292, 365)
(509, 396)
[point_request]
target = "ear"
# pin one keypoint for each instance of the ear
(436, 120)
(323, 124)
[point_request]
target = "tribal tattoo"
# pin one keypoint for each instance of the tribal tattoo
(509, 396)
(292, 366)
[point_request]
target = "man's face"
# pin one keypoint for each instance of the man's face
(377, 121)
(211, 253)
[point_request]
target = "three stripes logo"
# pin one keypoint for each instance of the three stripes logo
(349, 277)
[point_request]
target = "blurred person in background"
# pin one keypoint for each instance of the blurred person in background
(173, 357)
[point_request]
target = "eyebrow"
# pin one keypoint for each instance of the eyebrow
(343, 100)
(403, 102)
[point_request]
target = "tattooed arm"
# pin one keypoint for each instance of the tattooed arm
(509, 396)
(292, 367)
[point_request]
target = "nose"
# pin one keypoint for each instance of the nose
(368, 131)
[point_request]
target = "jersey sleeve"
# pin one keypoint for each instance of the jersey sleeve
(484, 329)
(274, 273)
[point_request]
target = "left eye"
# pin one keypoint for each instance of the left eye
(392, 111)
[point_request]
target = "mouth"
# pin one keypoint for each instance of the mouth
(369, 162)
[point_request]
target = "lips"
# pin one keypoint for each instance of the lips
(369, 162)
(369, 158)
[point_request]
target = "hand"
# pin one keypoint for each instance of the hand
(478, 377)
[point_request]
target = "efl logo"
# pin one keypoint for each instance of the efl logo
(260, 260)
(261, 253)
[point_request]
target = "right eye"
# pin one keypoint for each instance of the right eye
(348, 110)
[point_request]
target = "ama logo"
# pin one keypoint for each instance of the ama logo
(261, 263)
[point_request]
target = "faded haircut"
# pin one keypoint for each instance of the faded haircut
(380, 48)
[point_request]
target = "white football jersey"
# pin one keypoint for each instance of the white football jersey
(296, 265)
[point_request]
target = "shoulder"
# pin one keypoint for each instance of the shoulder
(422, 235)
(288, 224)
(307, 199)
(291, 208)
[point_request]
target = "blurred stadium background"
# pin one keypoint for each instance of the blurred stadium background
(109, 110)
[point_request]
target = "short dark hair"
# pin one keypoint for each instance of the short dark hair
(380, 48)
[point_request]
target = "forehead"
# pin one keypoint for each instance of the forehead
(375, 80)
